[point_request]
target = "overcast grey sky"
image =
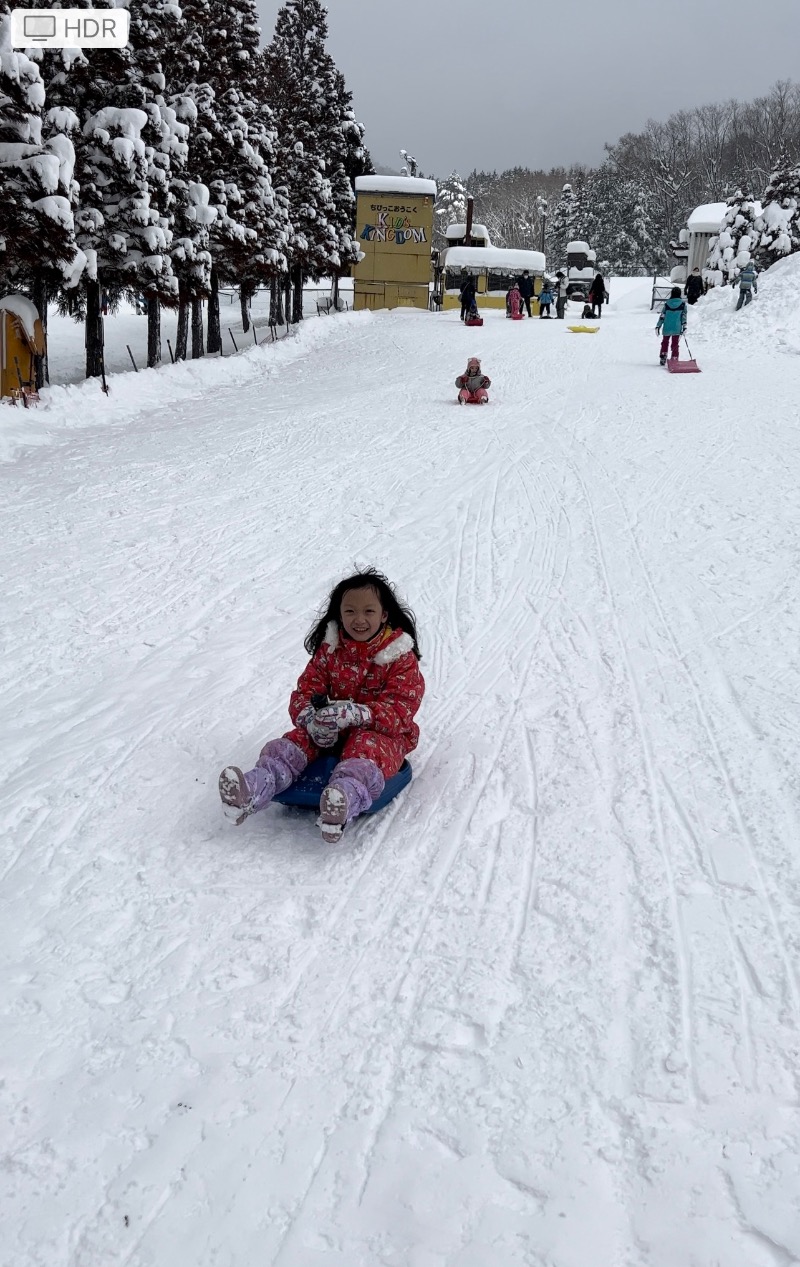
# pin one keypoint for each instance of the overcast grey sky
(539, 83)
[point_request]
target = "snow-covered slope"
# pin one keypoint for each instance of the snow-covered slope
(770, 321)
(541, 1012)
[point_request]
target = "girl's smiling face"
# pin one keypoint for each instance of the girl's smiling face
(362, 614)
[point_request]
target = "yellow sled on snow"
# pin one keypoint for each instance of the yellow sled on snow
(583, 329)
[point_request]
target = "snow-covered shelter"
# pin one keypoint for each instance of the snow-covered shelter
(21, 341)
(456, 235)
(578, 254)
(394, 224)
(494, 268)
(703, 224)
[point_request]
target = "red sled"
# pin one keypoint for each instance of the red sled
(684, 367)
(474, 321)
(473, 400)
(516, 316)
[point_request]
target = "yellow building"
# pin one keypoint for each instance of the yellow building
(394, 226)
(494, 269)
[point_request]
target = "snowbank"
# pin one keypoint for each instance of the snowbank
(395, 185)
(68, 408)
(771, 319)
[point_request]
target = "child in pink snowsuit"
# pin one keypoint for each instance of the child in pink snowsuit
(515, 300)
(356, 697)
(473, 383)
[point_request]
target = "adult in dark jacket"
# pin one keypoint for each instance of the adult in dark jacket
(525, 283)
(695, 286)
(467, 294)
(597, 294)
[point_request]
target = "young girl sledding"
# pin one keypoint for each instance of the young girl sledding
(473, 383)
(364, 657)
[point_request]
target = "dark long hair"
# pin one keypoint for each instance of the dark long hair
(398, 615)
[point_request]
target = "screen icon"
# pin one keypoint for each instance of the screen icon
(39, 27)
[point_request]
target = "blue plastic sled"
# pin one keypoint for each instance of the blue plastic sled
(307, 790)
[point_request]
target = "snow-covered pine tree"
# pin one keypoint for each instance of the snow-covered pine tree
(116, 225)
(343, 146)
(779, 222)
(260, 210)
(233, 126)
(614, 217)
(737, 241)
(297, 66)
(358, 160)
(450, 206)
(37, 190)
(561, 227)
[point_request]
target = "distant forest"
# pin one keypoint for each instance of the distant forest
(632, 205)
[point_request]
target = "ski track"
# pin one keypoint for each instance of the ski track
(544, 1010)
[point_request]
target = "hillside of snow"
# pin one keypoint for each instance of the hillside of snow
(770, 321)
(543, 1010)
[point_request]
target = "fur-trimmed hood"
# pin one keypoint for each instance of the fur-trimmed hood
(398, 644)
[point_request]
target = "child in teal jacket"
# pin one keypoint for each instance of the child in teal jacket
(673, 323)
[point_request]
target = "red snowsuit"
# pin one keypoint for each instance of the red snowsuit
(383, 674)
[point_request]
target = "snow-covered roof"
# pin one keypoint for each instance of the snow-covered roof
(578, 248)
(460, 230)
(496, 258)
(395, 185)
(708, 218)
(22, 307)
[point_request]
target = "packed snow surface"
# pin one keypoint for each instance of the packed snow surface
(542, 1011)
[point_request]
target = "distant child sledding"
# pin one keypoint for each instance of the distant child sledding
(472, 384)
(356, 699)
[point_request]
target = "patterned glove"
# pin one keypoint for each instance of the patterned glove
(306, 716)
(343, 714)
(323, 730)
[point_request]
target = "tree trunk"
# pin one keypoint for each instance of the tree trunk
(94, 331)
(245, 298)
(39, 297)
(214, 336)
(197, 328)
(182, 337)
(153, 331)
(276, 301)
(287, 298)
(335, 292)
(297, 295)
